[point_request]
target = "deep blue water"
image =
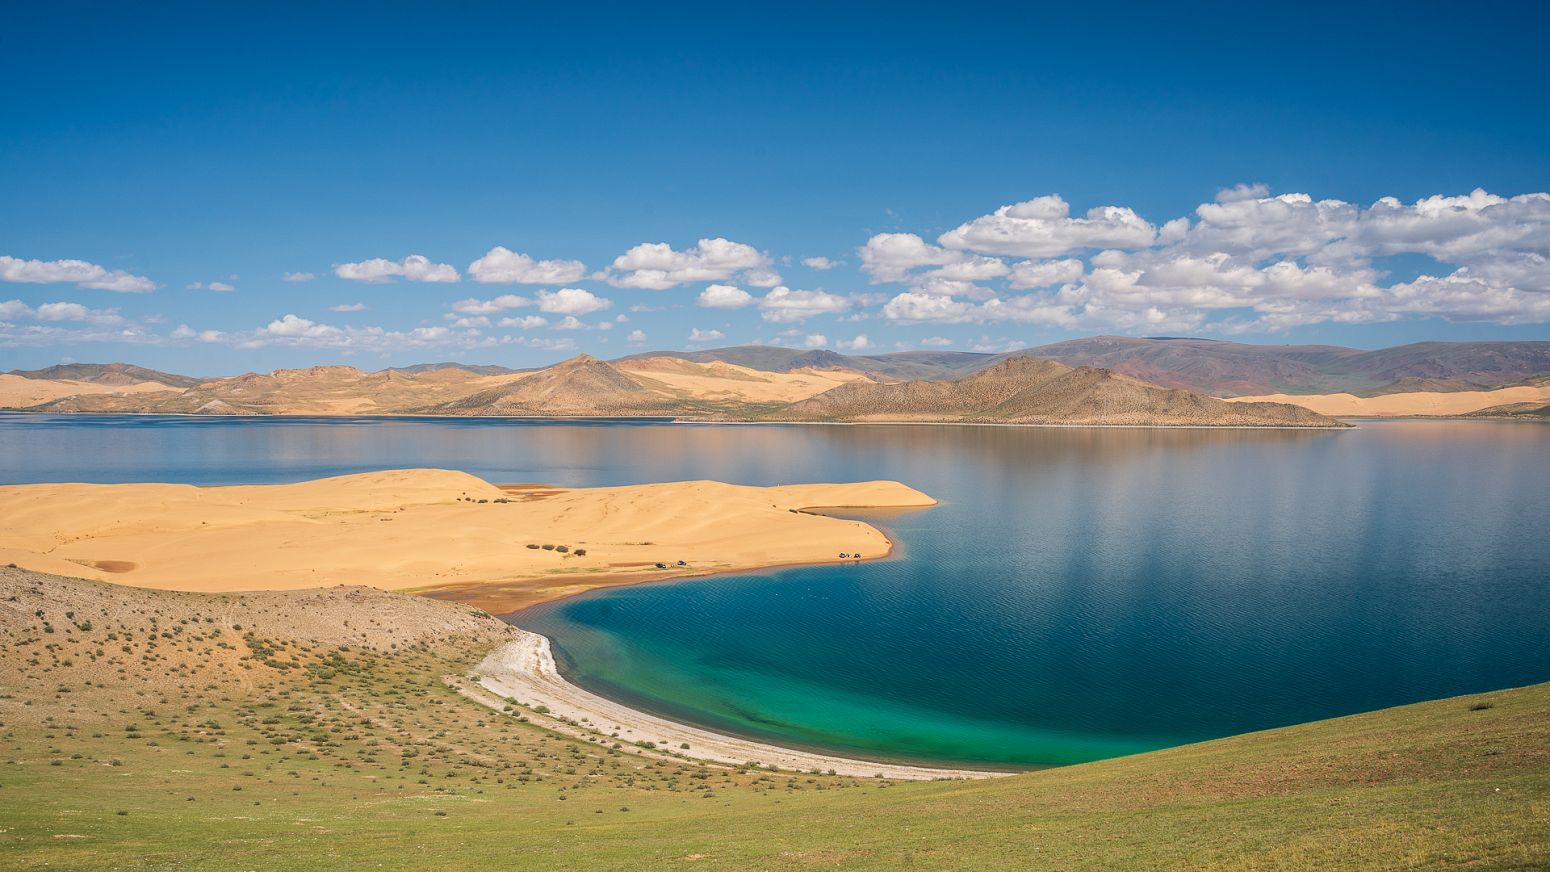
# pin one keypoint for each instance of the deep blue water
(1079, 593)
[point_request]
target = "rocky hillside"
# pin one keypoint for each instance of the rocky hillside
(117, 374)
(1029, 390)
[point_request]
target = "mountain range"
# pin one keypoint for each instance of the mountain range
(1023, 390)
(1102, 379)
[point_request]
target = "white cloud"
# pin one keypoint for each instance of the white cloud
(943, 287)
(348, 307)
(501, 265)
(571, 301)
(15, 310)
(297, 277)
(725, 297)
(292, 325)
(1043, 274)
(657, 266)
(414, 268)
(82, 273)
(472, 306)
(785, 305)
(570, 322)
(889, 257)
(636, 337)
(1248, 261)
(936, 341)
(526, 322)
(914, 307)
(860, 343)
(1042, 227)
(820, 263)
(221, 287)
(698, 335)
(815, 340)
(185, 332)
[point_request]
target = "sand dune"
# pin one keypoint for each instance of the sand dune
(425, 527)
(1407, 404)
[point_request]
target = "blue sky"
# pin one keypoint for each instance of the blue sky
(146, 152)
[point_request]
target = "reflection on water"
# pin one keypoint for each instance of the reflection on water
(1079, 592)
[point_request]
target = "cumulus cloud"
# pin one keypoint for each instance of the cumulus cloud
(16, 310)
(889, 257)
(820, 263)
(725, 297)
(658, 266)
(348, 307)
(501, 265)
(782, 304)
(815, 340)
(698, 335)
(914, 307)
(1044, 273)
(526, 322)
(79, 272)
(474, 306)
(636, 337)
(1249, 261)
(1042, 227)
(860, 343)
(414, 268)
(297, 277)
(186, 332)
(936, 341)
(571, 301)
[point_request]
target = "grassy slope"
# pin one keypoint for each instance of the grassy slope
(186, 756)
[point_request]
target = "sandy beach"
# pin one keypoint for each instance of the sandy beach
(524, 670)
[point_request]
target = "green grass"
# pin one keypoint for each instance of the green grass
(364, 758)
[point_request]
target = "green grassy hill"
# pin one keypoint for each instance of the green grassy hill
(313, 730)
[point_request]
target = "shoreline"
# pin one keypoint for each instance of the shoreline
(524, 670)
(507, 597)
(665, 419)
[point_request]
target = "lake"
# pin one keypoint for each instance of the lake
(1079, 593)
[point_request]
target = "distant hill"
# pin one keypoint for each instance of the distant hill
(477, 369)
(1030, 390)
(106, 374)
(1236, 369)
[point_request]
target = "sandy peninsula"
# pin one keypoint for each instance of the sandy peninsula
(427, 528)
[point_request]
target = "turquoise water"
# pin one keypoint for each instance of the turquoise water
(1080, 593)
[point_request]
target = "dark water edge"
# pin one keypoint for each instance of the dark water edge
(1079, 593)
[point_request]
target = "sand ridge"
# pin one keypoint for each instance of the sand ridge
(1407, 404)
(421, 528)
